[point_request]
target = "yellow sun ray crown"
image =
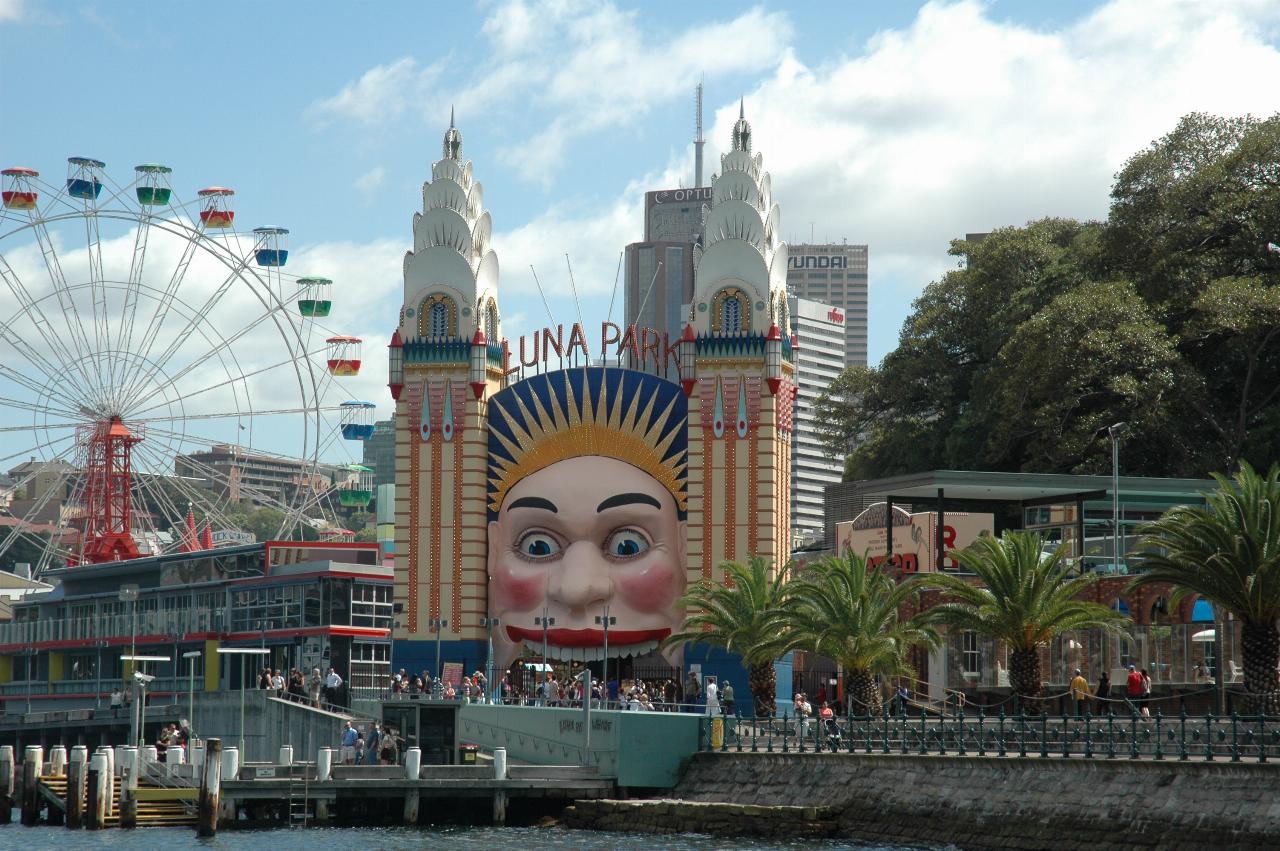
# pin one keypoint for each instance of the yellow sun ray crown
(634, 417)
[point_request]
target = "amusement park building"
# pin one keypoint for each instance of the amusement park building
(308, 604)
(451, 370)
(938, 509)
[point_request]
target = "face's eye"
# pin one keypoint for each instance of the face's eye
(538, 545)
(626, 543)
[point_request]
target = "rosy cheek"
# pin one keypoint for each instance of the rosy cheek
(518, 588)
(652, 588)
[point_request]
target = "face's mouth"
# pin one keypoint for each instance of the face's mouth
(587, 645)
(587, 637)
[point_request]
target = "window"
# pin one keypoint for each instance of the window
(371, 605)
(730, 316)
(438, 321)
(970, 655)
(491, 323)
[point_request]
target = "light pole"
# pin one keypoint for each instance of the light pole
(438, 625)
(138, 715)
(191, 656)
(242, 652)
(97, 690)
(606, 622)
(544, 622)
(1116, 432)
(129, 594)
(489, 624)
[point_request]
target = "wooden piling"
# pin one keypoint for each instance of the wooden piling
(6, 784)
(412, 797)
(210, 784)
(230, 760)
(94, 814)
(500, 806)
(75, 790)
(129, 788)
(32, 765)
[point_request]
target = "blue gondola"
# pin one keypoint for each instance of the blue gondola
(357, 419)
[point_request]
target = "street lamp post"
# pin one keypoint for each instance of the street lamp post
(137, 718)
(242, 652)
(1116, 432)
(606, 622)
(438, 625)
(489, 624)
(191, 656)
(544, 622)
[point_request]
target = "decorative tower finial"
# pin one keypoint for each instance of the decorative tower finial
(452, 140)
(741, 129)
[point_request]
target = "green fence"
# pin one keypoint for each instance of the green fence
(1234, 737)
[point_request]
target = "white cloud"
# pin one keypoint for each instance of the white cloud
(370, 182)
(11, 10)
(383, 92)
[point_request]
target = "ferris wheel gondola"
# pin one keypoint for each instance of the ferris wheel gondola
(139, 336)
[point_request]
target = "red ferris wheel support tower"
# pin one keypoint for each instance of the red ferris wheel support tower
(108, 488)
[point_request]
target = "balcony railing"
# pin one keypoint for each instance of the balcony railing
(180, 622)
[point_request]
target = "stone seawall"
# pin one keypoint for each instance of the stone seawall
(970, 802)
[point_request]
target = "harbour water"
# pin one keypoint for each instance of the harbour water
(398, 839)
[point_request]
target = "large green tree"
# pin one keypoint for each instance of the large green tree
(745, 615)
(853, 614)
(1025, 598)
(1165, 316)
(1228, 552)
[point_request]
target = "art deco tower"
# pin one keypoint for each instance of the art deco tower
(445, 361)
(738, 369)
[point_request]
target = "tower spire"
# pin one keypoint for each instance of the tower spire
(741, 129)
(452, 140)
(698, 142)
(742, 108)
(450, 116)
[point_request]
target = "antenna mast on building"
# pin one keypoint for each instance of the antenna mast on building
(697, 144)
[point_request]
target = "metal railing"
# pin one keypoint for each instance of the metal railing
(1181, 737)
(176, 622)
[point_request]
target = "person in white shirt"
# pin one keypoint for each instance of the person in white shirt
(277, 683)
(332, 682)
(713, 697)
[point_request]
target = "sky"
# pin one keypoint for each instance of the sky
(899, 125)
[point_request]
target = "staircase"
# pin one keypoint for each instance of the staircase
(151, 812)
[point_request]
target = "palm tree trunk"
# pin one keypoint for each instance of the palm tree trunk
(865, 693)
(764, 688)
(1261, 647)
(1024, 676)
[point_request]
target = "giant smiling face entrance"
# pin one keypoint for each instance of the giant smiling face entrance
(587, 507)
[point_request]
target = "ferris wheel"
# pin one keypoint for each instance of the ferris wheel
(160, 373)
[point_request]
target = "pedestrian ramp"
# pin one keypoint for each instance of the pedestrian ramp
(636, 749)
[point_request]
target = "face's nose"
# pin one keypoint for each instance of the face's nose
(581, 578)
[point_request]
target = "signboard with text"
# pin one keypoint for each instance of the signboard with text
(914, 537)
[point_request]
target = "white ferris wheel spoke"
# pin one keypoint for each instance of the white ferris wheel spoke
(194, 320)
(52, 389)
(229, 415)
(46, 444)
(66, 359)
(189, 394)
(167, 300)
(75, 327)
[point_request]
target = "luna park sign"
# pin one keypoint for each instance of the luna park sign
(644, 348)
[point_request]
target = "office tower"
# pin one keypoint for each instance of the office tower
(835, 274)
(820, 333)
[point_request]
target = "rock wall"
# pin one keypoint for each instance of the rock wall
(970, 802)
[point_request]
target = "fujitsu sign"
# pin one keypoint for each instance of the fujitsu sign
(817, 261)
(834, 315)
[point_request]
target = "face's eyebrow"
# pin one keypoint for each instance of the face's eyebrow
(533, 502)
(628, 499)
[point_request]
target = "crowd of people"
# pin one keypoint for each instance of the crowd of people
(377, 744)
(315, 688)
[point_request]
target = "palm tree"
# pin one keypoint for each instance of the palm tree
(1228, 552)
(850, 613)
(745, 615)
(1025, 600)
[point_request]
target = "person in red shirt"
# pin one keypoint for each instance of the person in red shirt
(1133, 686)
